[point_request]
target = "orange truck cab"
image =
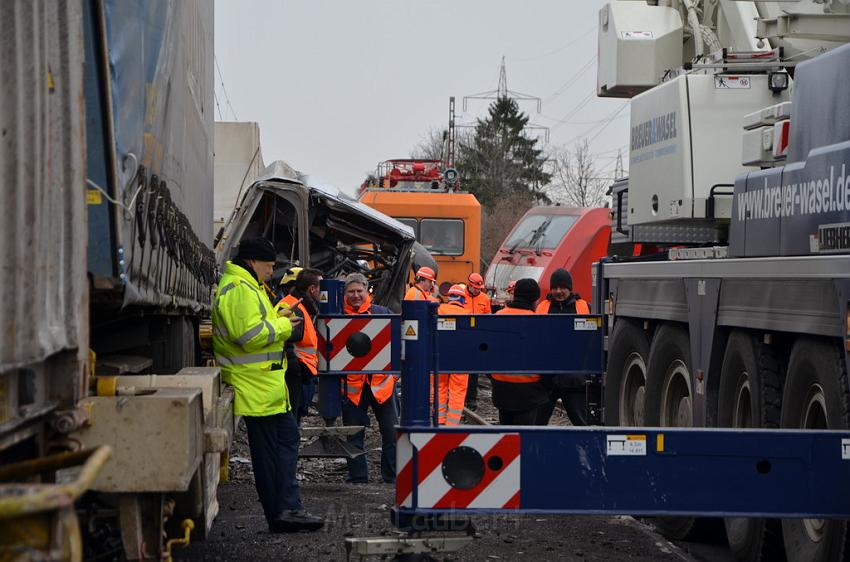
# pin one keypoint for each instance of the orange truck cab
(547, 238)
(446, 221)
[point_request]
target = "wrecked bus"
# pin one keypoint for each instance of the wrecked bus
(323, 228)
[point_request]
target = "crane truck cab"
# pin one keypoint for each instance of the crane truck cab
(445, 220)
(548, 238)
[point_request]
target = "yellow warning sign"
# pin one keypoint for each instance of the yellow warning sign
(410, 330)
(93, 197)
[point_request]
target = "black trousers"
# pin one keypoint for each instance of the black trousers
(574, 402)
(472, 388)
(294, 382)
(274, 441)
(518, 417)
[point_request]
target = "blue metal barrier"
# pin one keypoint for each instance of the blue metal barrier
(331, 301)
(590, 470)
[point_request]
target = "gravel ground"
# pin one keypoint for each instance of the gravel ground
(362, 510)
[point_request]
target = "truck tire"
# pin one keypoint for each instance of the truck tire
(815, 397)
(625, 375)
(625, 378)
(669, 403)
(749, 396)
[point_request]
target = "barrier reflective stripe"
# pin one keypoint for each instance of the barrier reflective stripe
(250, 334)
(247, 359)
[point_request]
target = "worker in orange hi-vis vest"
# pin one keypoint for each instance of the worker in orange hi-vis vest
(518, 397)
(477, 302)
(368, 391)
(452, 387)
(423, 286)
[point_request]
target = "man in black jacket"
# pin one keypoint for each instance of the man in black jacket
(570, 388)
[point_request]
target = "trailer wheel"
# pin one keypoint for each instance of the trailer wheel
(625, 379)
(749, 396)
(669, 402)
(815, 397)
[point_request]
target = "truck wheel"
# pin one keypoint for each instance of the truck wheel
(815, 397)
(625, 379)
(749, 396)
(669, 402)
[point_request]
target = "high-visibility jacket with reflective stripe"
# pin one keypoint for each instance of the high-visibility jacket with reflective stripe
(248, 339)
(478, 304)
(416, 294)
(307, 348)
(515, 378)
(452, 387)
(581, 306)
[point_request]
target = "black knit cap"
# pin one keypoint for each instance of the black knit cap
(260, 249)
(561, 278)
(527, 290)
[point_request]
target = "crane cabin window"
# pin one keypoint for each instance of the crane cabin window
(442, 237)
(412, 223)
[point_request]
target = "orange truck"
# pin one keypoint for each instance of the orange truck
(426, 197)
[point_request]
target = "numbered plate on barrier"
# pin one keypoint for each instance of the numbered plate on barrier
(359, 344)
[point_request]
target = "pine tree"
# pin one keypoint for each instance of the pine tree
(499, 162)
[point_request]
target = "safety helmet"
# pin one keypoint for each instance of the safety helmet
(290, 275)
(475, 280)
(426, 273)
(457, 291)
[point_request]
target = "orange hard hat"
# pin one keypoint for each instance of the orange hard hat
(426, 273)
(475, 280)
(511, 286)
(457, 291)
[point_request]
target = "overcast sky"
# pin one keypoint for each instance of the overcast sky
(339, 85)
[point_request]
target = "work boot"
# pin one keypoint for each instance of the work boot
(296, 520)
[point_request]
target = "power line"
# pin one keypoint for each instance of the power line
(565, 119)
(562, 47)
(215, 95)
(572, 80)
(613, 116)
(607, 121)
(224, 89)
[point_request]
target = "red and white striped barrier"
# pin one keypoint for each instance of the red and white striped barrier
(456, 470)
(357, 344)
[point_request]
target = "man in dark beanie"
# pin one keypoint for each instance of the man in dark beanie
(570, 388)
(518, 397)
(248, 340)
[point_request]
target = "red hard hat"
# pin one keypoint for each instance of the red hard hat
(457, 291)
(426, 273)
(475, 280)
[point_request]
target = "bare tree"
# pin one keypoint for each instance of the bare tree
(497, 222)
(576, 182)
(431, 146)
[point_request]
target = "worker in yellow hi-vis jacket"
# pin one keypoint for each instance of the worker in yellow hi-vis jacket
(248, 340)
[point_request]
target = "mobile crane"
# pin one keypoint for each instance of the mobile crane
(739, 149)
